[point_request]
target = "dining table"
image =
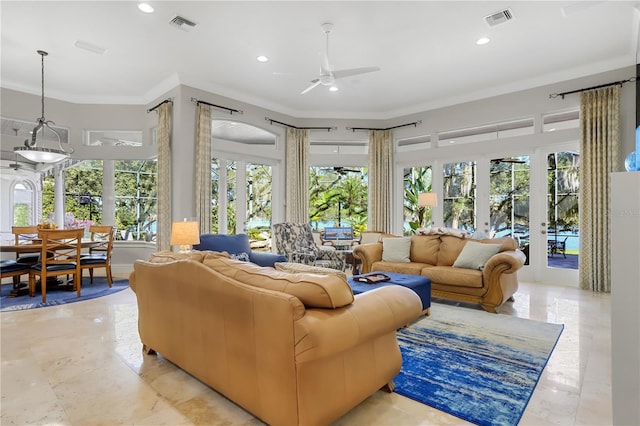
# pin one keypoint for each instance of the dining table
(35, 246)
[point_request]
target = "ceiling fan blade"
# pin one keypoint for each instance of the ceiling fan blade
(354, 71)
(314, 83)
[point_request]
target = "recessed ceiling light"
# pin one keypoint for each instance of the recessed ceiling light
(333, 89)
(483, 40)
(145, 7)
(262, 58)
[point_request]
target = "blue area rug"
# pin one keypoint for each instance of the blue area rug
(477, 366)
(58, 296)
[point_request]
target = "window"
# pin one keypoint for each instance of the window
(338, 197)
(23, 204)
(136, 198)
(488, 132)
(114, 138)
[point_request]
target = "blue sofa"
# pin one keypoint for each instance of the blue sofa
(237, 246)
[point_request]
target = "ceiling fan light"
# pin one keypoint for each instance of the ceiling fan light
(333, 89)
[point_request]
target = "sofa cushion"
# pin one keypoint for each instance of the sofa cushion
(474, 255)
(313, 290)
(296, 268)
(396, 249)
(424, 249)
(413, 268)
(455, 277)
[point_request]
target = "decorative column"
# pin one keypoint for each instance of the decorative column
(58, 197)
(108, 192)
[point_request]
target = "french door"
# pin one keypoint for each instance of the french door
(241, 197)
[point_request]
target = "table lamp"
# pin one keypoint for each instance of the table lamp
(427, 199)
(185, 234)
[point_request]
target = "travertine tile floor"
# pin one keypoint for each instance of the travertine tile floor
(81, 364)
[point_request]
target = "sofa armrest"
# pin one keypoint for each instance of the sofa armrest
(500, 278)
(368, 253)
(266, 259)
(508, 262)
(324, 332)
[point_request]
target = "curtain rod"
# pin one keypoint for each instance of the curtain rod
(231, 110)
(415, 124)
(161, 103)
(271, 121)
(615, 83)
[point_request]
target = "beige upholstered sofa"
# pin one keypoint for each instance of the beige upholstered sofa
(434, 256)
(289, 348)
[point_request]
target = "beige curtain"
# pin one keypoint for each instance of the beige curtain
(600, 141)
(380, 178)
(163, 239)
(203, 168)
(297, 170)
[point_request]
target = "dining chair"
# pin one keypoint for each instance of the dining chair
(99, 255)
(11, 268)
(60, 255)
(25, 235)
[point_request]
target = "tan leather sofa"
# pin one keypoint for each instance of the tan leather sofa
(289, 348)
(433, 256)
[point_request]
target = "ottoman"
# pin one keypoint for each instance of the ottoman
(419, 284)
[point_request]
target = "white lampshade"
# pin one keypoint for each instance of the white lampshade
(185, 234)
(428, 199)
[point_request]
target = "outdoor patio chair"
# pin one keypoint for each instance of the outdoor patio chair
(557, 246)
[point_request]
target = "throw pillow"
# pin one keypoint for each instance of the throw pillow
(396, 249)
(244, 256)
(297, 268)
(474, 255)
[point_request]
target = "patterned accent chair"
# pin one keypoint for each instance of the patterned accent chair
(295, 240)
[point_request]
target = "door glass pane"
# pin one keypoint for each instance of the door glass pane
(460, 195)
(509, 195)
(416, 181)
(215, 178)
(231, 197)
(22, 205)
(259, 177)
(563, 185)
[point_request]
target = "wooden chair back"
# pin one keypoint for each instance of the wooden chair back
(60, 255)
(104, 236)
(100, 254)
(25, 234)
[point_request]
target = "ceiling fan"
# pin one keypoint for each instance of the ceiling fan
(327, 75)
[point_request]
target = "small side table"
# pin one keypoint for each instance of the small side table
(350, 259)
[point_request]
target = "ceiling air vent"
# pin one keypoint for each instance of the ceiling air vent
(499, 17)
(182, 23)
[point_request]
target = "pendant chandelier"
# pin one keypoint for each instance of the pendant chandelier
(40, 154)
